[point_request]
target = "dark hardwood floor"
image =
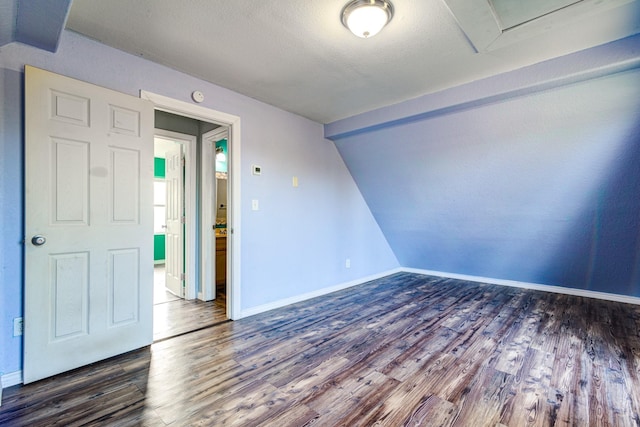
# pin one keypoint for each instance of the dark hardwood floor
(173, 316)
(405, 350)
(182, 316)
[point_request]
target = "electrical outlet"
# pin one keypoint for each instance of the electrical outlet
(347, 263)
(18, 326)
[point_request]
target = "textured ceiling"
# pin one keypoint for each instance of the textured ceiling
(296, 54)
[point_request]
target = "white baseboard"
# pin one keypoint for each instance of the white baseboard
(534, 286)
(320, 292)
(11, 379)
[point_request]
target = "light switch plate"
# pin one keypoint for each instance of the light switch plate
(18, 326)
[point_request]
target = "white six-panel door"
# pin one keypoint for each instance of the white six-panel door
(174, 219)
(89, 194)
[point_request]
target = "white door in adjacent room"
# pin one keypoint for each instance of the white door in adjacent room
(174, 220)
(88, 223)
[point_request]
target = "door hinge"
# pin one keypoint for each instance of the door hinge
(183, 277)
(183, 220)
(183, 161)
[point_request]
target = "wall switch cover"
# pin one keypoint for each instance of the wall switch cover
(254, 205)
(18, 326)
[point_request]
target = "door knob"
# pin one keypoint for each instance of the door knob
(38, 240)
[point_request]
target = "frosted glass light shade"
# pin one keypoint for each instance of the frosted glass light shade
(365, 18)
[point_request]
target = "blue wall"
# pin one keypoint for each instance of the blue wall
(538, 184)
(295, 244)
(11, 214)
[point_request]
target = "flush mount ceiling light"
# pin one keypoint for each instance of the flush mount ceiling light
(365, 18)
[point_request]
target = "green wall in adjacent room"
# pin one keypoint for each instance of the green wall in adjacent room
(158, 239)
(158, 247)
(159, 167)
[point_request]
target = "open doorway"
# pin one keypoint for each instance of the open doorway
(182, 300)
(232, 124)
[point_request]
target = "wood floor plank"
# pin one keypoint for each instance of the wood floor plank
(529, 405)
(301, 364)
(296, 416)
(406, 349)
(252, 404)
(467, 366)
(485, 398)
(174, 404)
(359, 413)
(179, 316)
(432, 410)
(515, 342)
(345, 395)
(406, 399)
(430, 345)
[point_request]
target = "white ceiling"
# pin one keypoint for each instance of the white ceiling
(296, 54)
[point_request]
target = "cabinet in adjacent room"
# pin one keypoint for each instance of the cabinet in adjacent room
(221, 259)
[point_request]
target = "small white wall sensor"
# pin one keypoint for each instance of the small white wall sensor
(197, 96)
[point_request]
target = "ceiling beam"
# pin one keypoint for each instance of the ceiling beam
(38, 23)
(615, 57)
(8, 12)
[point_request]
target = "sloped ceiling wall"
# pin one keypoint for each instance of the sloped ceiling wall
(37, 23)
(539, 185)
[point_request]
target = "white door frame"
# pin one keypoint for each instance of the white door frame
(232, 122)
(188, 142)
(208, 210)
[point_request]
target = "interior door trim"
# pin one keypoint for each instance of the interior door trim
(234, 239)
